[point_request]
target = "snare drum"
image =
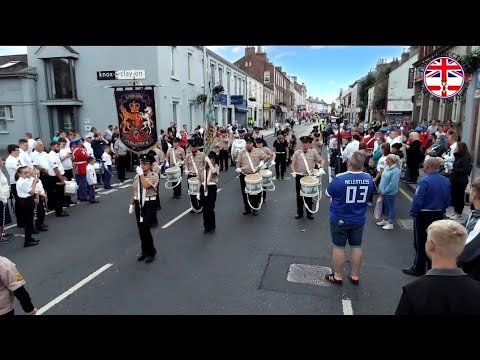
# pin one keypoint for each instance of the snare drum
(193, 186)
(237, 146)
(70, 187)
(173, 174)
(309, 186)
(253, 184)
(266, 176)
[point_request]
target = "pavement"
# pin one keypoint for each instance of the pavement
(86, 263)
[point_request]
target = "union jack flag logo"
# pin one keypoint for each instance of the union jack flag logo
(444, 77)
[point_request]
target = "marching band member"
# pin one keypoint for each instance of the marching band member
(250, 161)
(143, 202)
(208, 191)
(238, 143)
(317, 143)
(194, 164)
(159, 156)
(303, 162)
(271, 155)
(175, 156)
(222, 144)
(281, 150)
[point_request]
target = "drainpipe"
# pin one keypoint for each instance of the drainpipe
(205, 83)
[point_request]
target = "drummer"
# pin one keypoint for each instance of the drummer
(317, 143)
(194, 164)
(247, 167)
(270, 153)
(143, 202)
(241, 136)
(175, 156)
(299, 170)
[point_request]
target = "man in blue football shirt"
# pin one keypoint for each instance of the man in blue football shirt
(350, 192)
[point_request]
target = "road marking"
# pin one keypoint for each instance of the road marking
(109, 191)
(405, 194)
(180, 216)
(128, 180)
(116, 184)
(72, 289)
(124, 186)
(347, 307)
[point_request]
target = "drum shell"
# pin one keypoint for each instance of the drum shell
(309, 186)
(193, 185)
(253, 184)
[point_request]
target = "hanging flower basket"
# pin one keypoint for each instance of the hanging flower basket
(201, 99)
(252, 99)
(471, 61)
(218, 89)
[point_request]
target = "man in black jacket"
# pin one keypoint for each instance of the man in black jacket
(445, 289)
(469, 259)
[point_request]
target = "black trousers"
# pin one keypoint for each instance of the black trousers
(420, 224)
(9, 314)
(177, 190)
(457, 191)
(27, 206)
(121, 167)
(413, 172)
(149, 216)
(197, 204)
(58, 194)
(18, 206)
(223, 159)
(69, 176)
(157, 202)
(254, 199)
(308, 200)
(209, 206)
(40, 213)
(49, 187)
(280, 165)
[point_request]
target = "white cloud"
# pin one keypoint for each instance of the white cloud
(236, 49)
(13, 50)
(283, 54)
(316, 47)
(331, 82)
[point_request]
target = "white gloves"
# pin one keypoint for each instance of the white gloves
(273, 163)
(167, 164)
(131, 208)
(321, 172)
(139, 171)
(180, 163)
(261, 165)
(186, 172)
(238, 170)
(294, 174)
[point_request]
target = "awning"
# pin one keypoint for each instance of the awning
(240, 109)
(281, 109)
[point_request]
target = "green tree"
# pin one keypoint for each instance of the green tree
(369, 80)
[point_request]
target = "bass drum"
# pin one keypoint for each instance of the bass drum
(237, 147)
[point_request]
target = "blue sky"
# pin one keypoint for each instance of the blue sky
(324, 69)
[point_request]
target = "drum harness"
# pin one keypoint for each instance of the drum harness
(315, 198)
(175, 164)
(248, 195)
(197, 211)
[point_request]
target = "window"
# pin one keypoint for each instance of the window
(246, 63)
(192, 115)
(228, 82)
(235, 85)
(250, 89)
(220, 75)
(61, 78)
(212, 73)
(190, 59)
(175, 113)
(6, 113)
(172, 58)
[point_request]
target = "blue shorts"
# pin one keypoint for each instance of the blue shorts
(342, 233)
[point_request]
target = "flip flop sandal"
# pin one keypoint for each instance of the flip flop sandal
(333, 279)
(353, 280)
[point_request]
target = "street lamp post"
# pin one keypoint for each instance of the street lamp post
(339, 120)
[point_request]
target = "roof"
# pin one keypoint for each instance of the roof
(14, 65)
(11, 58)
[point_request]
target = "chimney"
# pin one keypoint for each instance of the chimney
(279, 68)
(249, 50)
(260, 49)
(404, 57)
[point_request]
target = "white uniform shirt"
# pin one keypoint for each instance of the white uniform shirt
(67, 163)
(4, 188)
(88, 148)
(23, 187)
(107, 159)
(91, 175)
(41, 159)
(12, 164)
(55, 163)
(25, 157)
(31, 144)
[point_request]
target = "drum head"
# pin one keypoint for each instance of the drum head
(193, 180)
(172, 169)
(309, 180)
(253, 178)
(265, 173)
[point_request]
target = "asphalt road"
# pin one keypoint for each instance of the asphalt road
(86, 263)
